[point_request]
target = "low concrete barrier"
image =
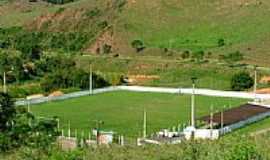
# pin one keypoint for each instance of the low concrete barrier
(205, 92)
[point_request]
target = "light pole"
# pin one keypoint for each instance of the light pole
(193, 79)
(90, 79)
(144, 124)
(4, 83)
(255, 83)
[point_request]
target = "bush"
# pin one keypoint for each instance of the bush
(107, 49)
(138, 45)
(93, 13)
(233, 57)
(221, 42)
(198, 55)
(185, 55)
(241, 81)
(71, 78)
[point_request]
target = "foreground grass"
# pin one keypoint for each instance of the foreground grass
(255, 127)
(122, 112)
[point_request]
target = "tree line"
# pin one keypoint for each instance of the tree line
(52, 72)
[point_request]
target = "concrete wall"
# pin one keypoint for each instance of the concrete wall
(240, 124)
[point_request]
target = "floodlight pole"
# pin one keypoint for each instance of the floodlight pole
(193, 102)
(90, 79)
(211, 120)
(28, 106)
(4, 83)
(222, 118)
(255, 83)
(144, 124)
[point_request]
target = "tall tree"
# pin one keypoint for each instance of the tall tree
(7, 111)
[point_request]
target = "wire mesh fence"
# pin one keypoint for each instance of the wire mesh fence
(25, 102)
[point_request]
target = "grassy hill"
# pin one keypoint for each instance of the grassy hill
(179, 25)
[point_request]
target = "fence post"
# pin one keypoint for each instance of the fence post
(122, 141)
(69, 131)
(76, 133)
(89, 135)
(119, 140)
(58, 123)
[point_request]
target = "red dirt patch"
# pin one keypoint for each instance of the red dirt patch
(265, 79)
(106, 38)
(139, 79)
(263, 91)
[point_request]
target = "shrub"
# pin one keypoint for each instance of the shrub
(93, 13)
(198, 55)
(241, 81)
(60, 10)
(71, 78)
(138, 45)
(221, 42)
(233, 57)
(107, 49)
(185, 55)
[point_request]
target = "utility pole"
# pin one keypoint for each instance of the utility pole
(144, 124)
(222, 118)
(28, 105)
(193, 102)
(90, 79)
(69, 130)
(5, 85)
(211, 121)
(255, 83)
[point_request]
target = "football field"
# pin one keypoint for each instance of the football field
(122, 111)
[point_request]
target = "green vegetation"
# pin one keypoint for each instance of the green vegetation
(122, 112)
(220, 27)
(20, 128)
(256, 127)
(211, 27)
(43, 73)
(242, 81)
(232, 148)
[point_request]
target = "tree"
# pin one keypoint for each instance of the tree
(138, 45)
(221, 42)
(233, 57)
(185, 54)
(199, 55)
(241, 81)
(7, 111)
(19, 127)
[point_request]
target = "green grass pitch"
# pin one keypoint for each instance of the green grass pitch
(122, 111)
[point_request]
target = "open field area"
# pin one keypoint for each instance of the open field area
(123, 111)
